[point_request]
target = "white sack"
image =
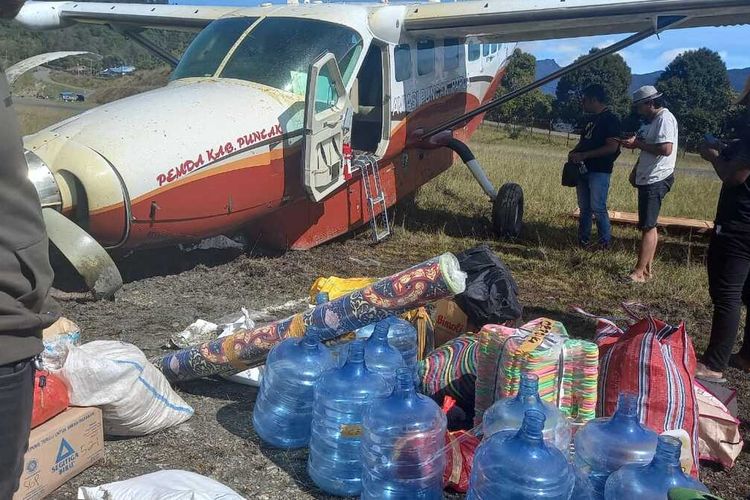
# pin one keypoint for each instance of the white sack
(133, 395)
(162, 485)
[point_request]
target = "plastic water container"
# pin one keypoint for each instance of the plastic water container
(654, 480)
(604, 445)
(508, 414)
(583, 489)
(380, 356)
(341, 397)
(401, 335)
(283, 408)
(403, 445)
(520, 465)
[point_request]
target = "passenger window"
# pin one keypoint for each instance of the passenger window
(425, 57)
(402, 57)
(485, 49)
(474, 51)
(494, 48)
(451, 47)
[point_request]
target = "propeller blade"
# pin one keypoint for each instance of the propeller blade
(87, 256)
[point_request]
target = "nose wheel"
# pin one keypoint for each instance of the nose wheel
(507, 211)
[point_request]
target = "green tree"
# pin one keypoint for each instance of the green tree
(697, 90)
(531, 106)
(610, 71)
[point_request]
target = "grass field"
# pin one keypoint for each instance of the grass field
(452, 212)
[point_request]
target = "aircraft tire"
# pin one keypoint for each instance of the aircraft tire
(507, 211)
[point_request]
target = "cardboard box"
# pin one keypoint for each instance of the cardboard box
(450, 321)
(59, 450)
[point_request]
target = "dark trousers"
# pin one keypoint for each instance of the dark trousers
(729, 286)
(16, 403)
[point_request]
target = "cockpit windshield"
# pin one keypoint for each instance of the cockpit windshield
(276, 52)
(206, 52)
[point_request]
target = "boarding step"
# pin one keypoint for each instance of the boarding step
(367, 164)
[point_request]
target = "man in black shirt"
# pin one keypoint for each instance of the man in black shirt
(729, 253)
(597, 150)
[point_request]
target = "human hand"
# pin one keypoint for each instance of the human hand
(707, 152)
(629, 142)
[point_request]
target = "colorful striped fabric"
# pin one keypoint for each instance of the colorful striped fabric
(655, 361)
(567, 368)
(447, 365)
(451, 370)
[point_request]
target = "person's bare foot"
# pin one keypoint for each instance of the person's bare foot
(638, 277)
(705, 373)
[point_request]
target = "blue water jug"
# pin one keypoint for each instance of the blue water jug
(283, 408)
(604, 445)
(381, 356)
(583, 489)
(654, 480)
(401, 335)
(341, 396)
(403, 445)
(520, 465)
(508, 413)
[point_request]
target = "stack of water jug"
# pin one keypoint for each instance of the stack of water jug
(526, 450)
(392, 449)
(395, 448)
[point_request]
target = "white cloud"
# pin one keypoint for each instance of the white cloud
(667, 57)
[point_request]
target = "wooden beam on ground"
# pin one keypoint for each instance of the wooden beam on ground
(629, 218)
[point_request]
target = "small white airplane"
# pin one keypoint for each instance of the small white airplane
(297, 123)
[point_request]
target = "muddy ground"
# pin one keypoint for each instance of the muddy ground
(167, 290)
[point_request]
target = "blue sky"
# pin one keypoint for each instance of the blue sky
(652, 54)
(733, 43)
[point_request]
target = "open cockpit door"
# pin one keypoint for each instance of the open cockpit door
(328, 118)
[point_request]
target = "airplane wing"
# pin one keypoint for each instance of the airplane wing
(42, 15)
(493, 20)
(528, 20)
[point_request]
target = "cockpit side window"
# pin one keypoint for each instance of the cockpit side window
(279, 50)
(204, 55)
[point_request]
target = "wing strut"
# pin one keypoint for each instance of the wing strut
(661, 24)
(146, 43)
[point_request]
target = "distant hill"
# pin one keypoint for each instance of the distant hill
(639, 81)
(544, 67)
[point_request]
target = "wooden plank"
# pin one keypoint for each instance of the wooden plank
(629, 218)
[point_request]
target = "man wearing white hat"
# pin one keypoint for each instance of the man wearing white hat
(653, 175)
(728, 261)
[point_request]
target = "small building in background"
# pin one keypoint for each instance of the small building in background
(117, 71)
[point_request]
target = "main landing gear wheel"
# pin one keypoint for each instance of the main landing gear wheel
(507, 211)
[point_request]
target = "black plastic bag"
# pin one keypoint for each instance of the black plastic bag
(491, 295)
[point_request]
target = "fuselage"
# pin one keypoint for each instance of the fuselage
(220, 147)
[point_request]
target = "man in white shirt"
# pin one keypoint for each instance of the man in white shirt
(653, 175)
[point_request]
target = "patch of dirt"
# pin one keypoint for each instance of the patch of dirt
(166, 290)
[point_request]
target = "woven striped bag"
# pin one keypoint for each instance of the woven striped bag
(655, 361)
